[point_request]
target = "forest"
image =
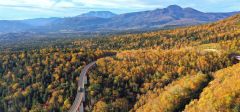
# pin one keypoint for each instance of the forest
(42, 80)
(184, 69)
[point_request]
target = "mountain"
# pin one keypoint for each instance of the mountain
(16, 26)
(40, 21)
(12, 26)
(100, 14)
(159, 18)
(94, 21)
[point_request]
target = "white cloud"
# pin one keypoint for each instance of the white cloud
(33, 3)
(64, 4)
(129, 4)
(57, 4)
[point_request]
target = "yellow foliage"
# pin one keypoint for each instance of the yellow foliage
(222, 95)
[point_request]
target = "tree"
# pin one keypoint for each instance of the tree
(100, 106)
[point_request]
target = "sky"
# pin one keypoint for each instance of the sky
(26, 9)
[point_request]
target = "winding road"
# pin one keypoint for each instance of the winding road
(80, 97)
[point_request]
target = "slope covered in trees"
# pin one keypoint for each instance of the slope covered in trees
(222, 94)
(224, 30)
(136, 77)
(172, 97)
(132, 74)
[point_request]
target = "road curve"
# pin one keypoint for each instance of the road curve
(80, 95)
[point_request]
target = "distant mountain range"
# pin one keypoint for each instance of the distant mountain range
(93, 21)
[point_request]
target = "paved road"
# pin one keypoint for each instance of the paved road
(80, 94)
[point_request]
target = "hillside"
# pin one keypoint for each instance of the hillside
(154, 78)
(216, 32)
(165, 70)
(222, 94)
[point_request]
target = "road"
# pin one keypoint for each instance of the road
(81, 94)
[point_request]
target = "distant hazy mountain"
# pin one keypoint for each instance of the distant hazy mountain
(12, 26)
(100, 14)
(171, 16)
(40, 21)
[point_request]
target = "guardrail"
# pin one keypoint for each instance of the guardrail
(238, 58)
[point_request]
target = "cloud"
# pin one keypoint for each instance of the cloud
(64, 4)
(27, 7)
(129, 4)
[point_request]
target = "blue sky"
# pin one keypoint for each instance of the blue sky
(23, 9)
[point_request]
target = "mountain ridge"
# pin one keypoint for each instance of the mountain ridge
(93, 21)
